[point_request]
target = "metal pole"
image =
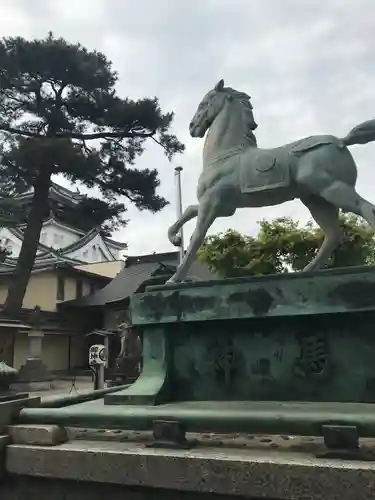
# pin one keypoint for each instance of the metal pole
(106, 345)
(177, 173)
(101, 377)
(96, 378)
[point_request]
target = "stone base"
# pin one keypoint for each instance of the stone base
(12, 396)
(40, 385)
(10, 409)
(295, 337)
(33, 369)
(95, 469)
(35, 488)
(33, 376)
(3, 442)
(39, 435)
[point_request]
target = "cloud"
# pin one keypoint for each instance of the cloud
(308, 66)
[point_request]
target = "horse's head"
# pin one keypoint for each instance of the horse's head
(212, 104)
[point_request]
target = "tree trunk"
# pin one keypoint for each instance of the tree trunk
(20, 279)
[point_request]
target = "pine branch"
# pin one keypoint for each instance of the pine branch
(82, 137)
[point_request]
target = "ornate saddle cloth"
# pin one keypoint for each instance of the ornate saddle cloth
(269, 169)
(264, 170)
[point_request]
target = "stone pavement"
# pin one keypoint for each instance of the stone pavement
(65, 386)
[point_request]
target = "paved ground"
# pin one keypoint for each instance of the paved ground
(300, 444)
(62, 387)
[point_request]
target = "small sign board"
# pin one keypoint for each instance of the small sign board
(97, 355)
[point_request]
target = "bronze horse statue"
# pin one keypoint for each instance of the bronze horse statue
(319, 170)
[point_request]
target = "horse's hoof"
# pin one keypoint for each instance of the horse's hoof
(175, 240)
(172, 281)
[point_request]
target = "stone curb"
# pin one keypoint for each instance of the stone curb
(38, 435)
(225, 471)
(10, 409)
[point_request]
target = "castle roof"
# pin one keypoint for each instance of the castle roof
(56, 192)
(48, 254)
(52, 220)
(47, 258)
(89, 237)
(68, 197)
(85, 237)
(71, 254)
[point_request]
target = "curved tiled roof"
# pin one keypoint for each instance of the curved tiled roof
(137, 270)
(53, 220)
(117, 244)
(62, 253)
(72, 198)
(57, 192)
(19, 234)
(83, 241)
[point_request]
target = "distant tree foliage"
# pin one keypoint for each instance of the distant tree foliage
(60, 113)
(283, 245)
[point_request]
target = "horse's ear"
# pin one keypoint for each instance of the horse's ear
(219, 86)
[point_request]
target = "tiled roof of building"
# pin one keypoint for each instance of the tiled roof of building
(58, 193)
(61, 254)
(46, 259)
(136, 272)
(71, 198)
(7, 270)
(63, 225)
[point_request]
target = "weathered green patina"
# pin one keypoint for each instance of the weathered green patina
(339, 290)
(296, 337)
(283, 354)
(319, 170)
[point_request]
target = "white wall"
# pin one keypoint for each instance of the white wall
(58, 237)
(50, 236)
(10, 242)
(94, 251)
(115, 251)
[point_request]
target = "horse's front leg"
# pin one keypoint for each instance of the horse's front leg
(189, 213)
(206, 216)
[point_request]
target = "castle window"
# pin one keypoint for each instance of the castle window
(60, 288)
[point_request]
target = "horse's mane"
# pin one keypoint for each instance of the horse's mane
(248, 110)
(242, 96)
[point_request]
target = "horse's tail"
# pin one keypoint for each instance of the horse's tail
(361, 134)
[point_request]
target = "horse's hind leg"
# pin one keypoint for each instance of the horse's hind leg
(345, 196)
(327, 217)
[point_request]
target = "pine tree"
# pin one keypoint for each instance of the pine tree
(60, 113)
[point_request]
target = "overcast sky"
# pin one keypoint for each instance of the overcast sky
(309, 66)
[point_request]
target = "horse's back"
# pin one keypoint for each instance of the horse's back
(270, 169)
(311, 142)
